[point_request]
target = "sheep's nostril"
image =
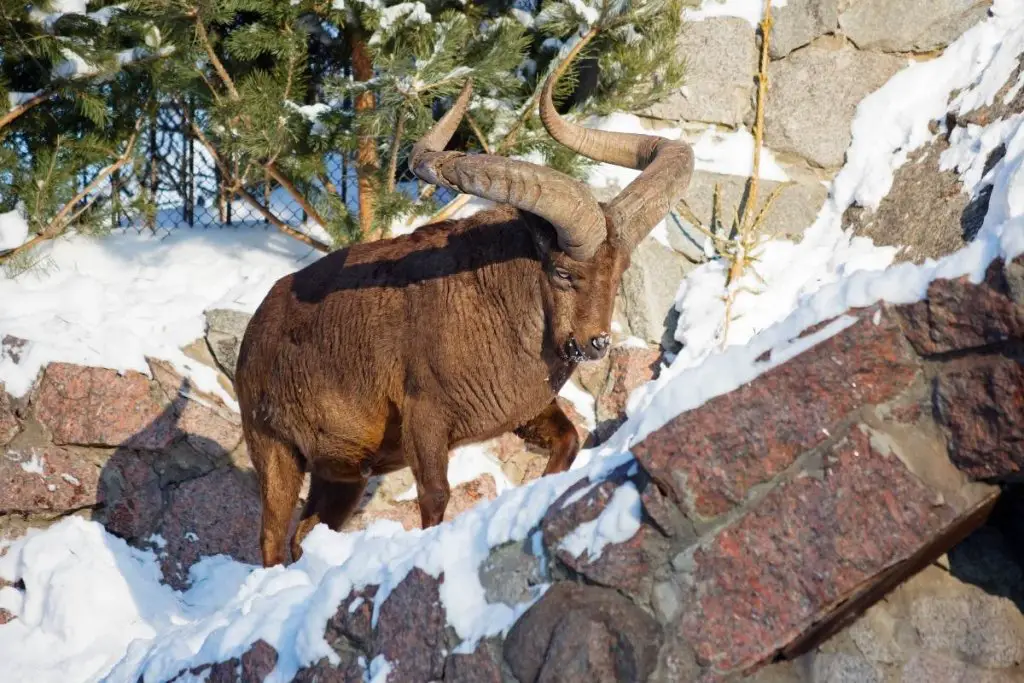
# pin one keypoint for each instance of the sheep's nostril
(601, 341)
(573, 347)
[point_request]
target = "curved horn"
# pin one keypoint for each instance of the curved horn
(666, 164)
(564, 202)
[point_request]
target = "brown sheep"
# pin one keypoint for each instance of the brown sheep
(389, 354)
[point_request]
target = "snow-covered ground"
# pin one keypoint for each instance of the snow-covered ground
(69, 630)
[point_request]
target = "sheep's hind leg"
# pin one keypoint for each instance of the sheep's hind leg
(329, 502)
(553, 431)
(279, 470)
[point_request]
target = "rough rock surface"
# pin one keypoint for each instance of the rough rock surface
(648, 291)
(792, 212)
(8, 421)
(582, 633)
(798, 22)
(814, 94)
(926, 214)
(909, 25)
(721, 59)
(711, 464)
(224, 331)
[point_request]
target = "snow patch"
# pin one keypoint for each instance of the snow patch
(617, 523)
(13, 228)
(751, 10)
(112, 301)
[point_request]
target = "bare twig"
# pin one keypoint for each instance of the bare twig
(290, 188)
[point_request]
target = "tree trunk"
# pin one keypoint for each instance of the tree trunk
(367, 161)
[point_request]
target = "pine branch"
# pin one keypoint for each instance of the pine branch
(458, 202)
(531, 106)
(396, 142)
(478, 133)
(290, 188)
(15, 112)
(60, 222)
(252, 201)
(218, 66)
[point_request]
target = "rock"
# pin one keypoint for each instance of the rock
(721, 61)
(976, 628)
(350, 630)
(50, 480)
(798, 22)
(207, 424)
(325, 672)
(810, 544)
(98, 407)
(224, 331)
(12, 347)
(583, 633)
(927, 667)
(909, 25)
(9, 424)
(959, 315)
(793, 210)
(483, 665)
(211, 515)
(648, 290)
(407, 512)
(625, 368)
(813, 96)
(978, 400)
(509, 574)
(625, 566)
(132, 498)
(410, 630)
(926, 214)
(709, 462)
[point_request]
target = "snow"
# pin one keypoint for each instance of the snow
(73, 66)
(407, 12)
(19, 98)
(36, 464)
(751, 10)
(111, 302)
(66, 630)
(13, 229)
(617, 523)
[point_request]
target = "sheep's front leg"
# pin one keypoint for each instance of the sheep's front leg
(553, 431)
(426, 450)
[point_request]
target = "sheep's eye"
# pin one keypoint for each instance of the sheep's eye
(563, 273)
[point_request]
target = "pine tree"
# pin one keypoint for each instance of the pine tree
(283, 86)
(76, 84)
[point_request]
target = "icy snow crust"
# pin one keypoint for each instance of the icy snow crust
(67, 630)
(114, 301)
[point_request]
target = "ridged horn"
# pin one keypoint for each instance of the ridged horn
(667, 166)
(561, 200)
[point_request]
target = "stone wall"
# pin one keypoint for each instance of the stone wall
(826, 56)
(772, 518)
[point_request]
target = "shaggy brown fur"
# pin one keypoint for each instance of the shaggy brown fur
(389, 354)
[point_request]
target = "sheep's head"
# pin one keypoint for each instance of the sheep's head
(592, 242)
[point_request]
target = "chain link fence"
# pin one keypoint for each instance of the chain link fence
(184, 186)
